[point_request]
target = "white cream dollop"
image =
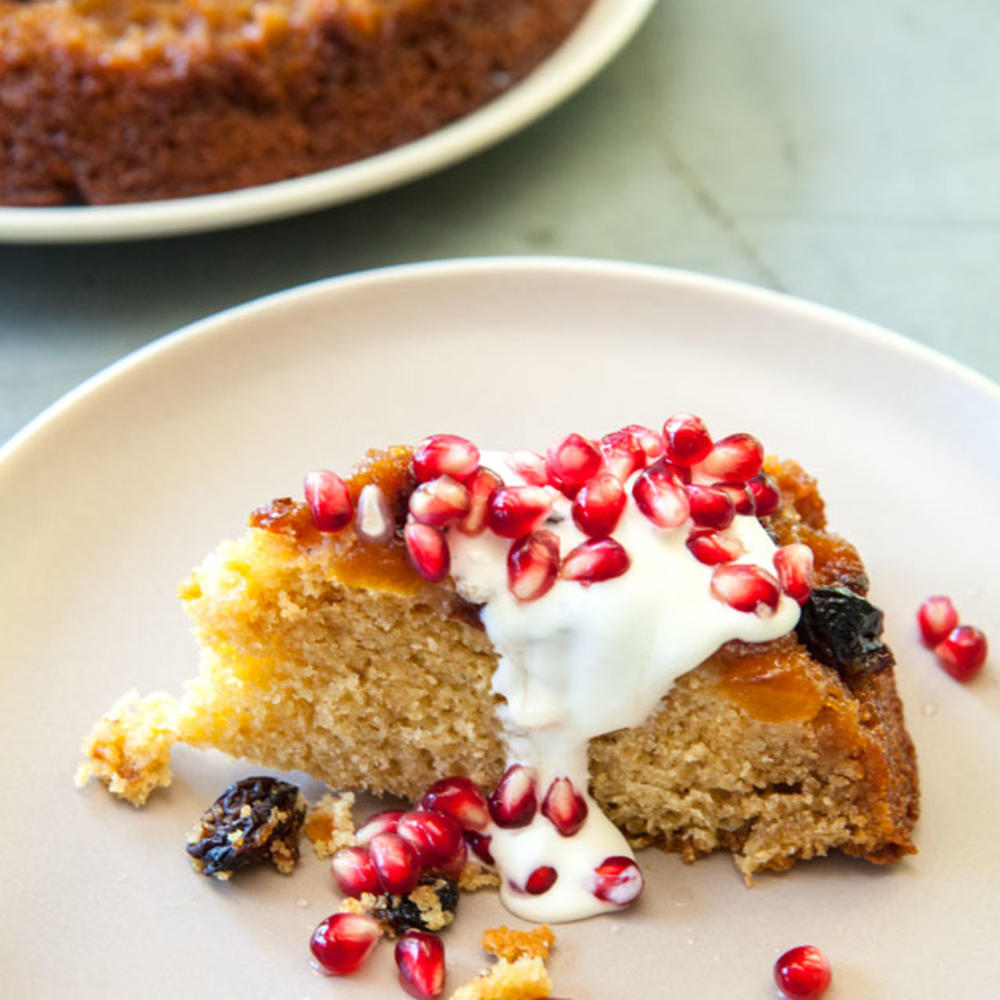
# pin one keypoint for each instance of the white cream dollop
(586, 660)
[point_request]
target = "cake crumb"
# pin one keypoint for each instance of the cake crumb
(525, 979)
(474, 877)
(330, 824)
(511, 944)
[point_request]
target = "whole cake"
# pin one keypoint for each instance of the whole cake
(650, 639)
(107, 101)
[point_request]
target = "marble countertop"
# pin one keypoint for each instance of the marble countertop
(847, 153)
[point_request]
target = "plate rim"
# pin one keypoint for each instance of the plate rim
(552, 82)
(219, 322)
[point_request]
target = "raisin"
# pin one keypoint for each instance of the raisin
(429, 907)
(842, 630)
(253, 820)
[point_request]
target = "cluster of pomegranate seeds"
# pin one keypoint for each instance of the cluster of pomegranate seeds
(803, 973)
(961, 650)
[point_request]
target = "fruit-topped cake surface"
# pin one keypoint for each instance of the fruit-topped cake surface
(650, 638)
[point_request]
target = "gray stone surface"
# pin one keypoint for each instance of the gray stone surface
(847, 153)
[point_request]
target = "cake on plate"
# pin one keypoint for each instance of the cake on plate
(138, 100)
(651, 639)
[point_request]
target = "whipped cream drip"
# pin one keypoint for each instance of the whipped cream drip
(582, 661)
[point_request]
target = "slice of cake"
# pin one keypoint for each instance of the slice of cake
(652, 630)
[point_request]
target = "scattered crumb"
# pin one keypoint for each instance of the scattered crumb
(475, 877)
(330, 824)
(509, 943)
(525, 979)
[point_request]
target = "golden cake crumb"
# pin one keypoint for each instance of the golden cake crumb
(525, 979)
(330, 824)
(511, 944)
(475, 877)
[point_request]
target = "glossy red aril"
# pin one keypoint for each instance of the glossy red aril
(459, 798)
(599, 505)
(380, 822)
(373, 521)
(660, 495)
(594, 560)
(766, 494)
(746, 588)
(396, 862)
(686, 439)
(564, 807)
(329, 500)
(623, 454)
(617, 880)
(515, 511)
(794, 564)
(532, 565)
(541, 880)
(651, 442)
(736, 458)
(420, 961)
(803, 973)
(435, 837)
(342, 943)
(741, 495)
(439, 501)
(480, 485)
(710, 506)
(354, 872)
(530, 466)
(714, 547)
(479, 844)
(453, 866)
(445, 455)
(428, 550)
(962, 652)
(936, 617)
(571, 462)
(514, 803)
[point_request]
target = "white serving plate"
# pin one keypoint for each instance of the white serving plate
(108, 499)
(598, 38)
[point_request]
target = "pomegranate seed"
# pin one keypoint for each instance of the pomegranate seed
(460, 799)
(712, 547)
(794, 564)
(452, 867)
(594, 560)
(802, 973)
(380, 822)
(766, 494)
(962, 652)
(480, 485)
(599, 505)
(445, 455)
(623, 454)
(354, 872)
(687, 439)
(479, 843)
(651, 442)
(564, 807)
(435, 837)
(936, 617)
(541, 880)
(710, 507)
(746, 588)
(396, 862)
(342, 943)
(571, 462)
(741, 495)
(660, 495)
(439, 501)
(736, 458)
(617, 880)
(514, 803)
(515, 511)
(532, 565)
(328, 499)
(420, 961)
(373, 521)
(530, 466)
(428, 550)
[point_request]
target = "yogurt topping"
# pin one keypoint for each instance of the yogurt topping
(583, 660)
